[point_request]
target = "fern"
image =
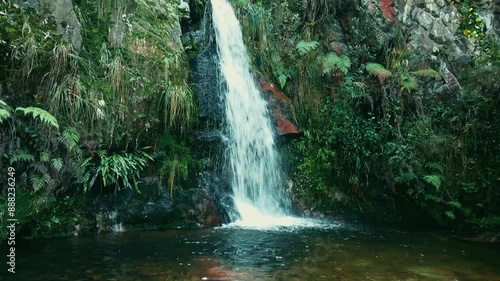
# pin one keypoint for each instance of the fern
(39, 181)
(332, 62)
(408, 82)
(428, 73)
(118, 170)
(4, 111)
(304, 47)
(434, 180)
(23, 156)
(450, 214)
(57, 163)
(4, 114)
(282, 78)
(435, 166)
(44, 156)
(71, 136)
(455, 204)
(378, 71)
(432, 197)
(41, 114)
(40, 167)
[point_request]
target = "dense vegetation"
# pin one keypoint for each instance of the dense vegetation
(91, 111)
(389, 132)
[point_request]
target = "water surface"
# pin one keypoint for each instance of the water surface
(231, 253)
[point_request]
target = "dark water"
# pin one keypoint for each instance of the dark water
(339, 253)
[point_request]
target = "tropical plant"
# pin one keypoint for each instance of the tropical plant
(332, 62)
(118, 170)
(378, 71)
(304, 47)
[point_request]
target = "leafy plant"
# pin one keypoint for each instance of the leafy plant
(304, 47)
(331, 62)
(430, 73)
(40, 114)
(117, 169)
(378, 71)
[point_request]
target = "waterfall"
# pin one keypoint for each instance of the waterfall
(252, 156)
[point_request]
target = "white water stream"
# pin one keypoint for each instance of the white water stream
(256, 175)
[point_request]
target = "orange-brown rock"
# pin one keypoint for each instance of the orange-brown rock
(282, 110)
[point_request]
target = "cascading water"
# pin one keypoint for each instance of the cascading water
(252, 153)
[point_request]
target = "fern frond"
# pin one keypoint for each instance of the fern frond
(23, 156)
(428, 73)
(409, 82)
(4, 111)
(450, 214)
(304, 47)
(42, 115)
(71, 137)
(57, 163)
(40, 167)
(4, 114)
(434, 180)
(379, 71)
(332, 62)
(39, 181)
(455, 204)
(435, 166)
(44, 156)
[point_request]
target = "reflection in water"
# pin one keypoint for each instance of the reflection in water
(339, 253)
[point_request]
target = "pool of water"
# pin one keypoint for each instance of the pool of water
(337, 252)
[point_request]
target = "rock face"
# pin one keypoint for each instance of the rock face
(434, 25)
(67, 23)
(282, 110)
(154, 209)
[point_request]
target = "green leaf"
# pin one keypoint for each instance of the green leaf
(4, 111)
(304, 47)
(40, 114)
(282, 79)
(379, 71)
(455, 204)
(44, 156)
(431, 73)
(4, 114)
(332, 62)
(435, 180)
(409, 82)
(71, 136)
(435, 166)
(39, 181)
(23, 156)
(450, 214)
(57, 164)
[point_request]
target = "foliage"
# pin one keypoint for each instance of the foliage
(304, 47)
(471, 23)
(378, 71)
(430, 73)
(331, 62)
(119, 170)
(41, 115)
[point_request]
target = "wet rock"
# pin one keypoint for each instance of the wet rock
(282, 109)
(154, 209)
